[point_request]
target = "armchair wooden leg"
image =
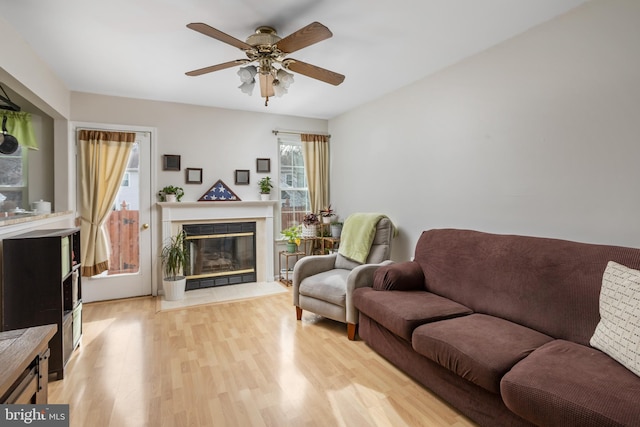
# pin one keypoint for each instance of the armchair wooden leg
(298, 313)
(351, 331)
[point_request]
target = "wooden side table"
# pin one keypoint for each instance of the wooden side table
(329, 243)
(284, 278)
(24, 357)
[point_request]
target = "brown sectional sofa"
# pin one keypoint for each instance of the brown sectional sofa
(499, 327)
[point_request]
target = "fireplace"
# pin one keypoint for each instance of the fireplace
(220, 254)
(175, 216)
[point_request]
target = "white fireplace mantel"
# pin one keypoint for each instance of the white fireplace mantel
(176, 214)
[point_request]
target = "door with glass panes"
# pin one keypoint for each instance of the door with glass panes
(129, 230)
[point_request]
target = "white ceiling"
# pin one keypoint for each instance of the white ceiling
(142, 48)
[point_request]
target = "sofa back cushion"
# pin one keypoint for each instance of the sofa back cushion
(550, 285)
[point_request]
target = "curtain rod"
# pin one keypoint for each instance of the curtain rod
(290, 132)
(145, 132)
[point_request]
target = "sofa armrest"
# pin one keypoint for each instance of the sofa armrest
(308, 266)
(361, 276)
(403, 276)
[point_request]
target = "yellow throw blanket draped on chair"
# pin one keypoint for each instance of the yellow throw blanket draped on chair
(357, 235)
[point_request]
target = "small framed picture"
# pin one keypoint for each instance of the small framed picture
(194, 175)
(263, 165)
(242, 176)
(171, 162)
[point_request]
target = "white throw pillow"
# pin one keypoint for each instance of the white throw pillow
(618, 332)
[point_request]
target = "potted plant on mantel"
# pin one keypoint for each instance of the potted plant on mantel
(171, 193)
(174, 261)
(292, 234)
(265, 187)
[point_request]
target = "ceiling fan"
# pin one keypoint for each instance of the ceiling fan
(267, 50)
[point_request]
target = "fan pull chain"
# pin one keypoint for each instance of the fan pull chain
(266, 101)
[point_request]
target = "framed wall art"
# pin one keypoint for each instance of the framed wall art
(242, 176)
(171, 162)
(263, 165)
(194, 175)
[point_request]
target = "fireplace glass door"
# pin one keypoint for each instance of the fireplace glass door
(220, 254)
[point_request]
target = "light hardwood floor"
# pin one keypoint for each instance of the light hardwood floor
(245, 363)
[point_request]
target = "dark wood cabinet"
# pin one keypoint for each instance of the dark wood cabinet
(42, 285)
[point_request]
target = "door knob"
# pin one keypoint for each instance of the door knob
(145, 226)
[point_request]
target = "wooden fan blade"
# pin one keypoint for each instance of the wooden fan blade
(218, 35)
(213, 68)
(314, 72)
(311, 34)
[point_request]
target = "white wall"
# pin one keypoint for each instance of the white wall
(23, 71)
(539, 135)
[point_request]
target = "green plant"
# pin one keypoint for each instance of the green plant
(292, 234)
(175, 256)
(265, 185)
(170, 189)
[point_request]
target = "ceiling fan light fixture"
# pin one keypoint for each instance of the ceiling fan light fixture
(279, 89)
(247, 87)
(247, 73)
(285, 79)
(266, 85)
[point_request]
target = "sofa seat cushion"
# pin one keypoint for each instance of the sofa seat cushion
(402, 311)
(330, 286)
(477, 347)
(568, 384)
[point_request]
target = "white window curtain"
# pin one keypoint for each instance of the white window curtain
(102, 161)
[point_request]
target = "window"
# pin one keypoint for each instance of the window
(294, 193)
(128, 195)
(13, 180)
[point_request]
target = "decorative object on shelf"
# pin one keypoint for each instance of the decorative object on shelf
(292, 235)
(242, 177)
(171, 193)
(268, 51)
(220, 192)
(263, 165)
(171, 162)
(326, 214)
(265, 187)
(336, 229)
(175, 256)
(310, 225)
(194, 175)
(41, 207)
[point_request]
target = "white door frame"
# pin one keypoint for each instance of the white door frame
(153, 223)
